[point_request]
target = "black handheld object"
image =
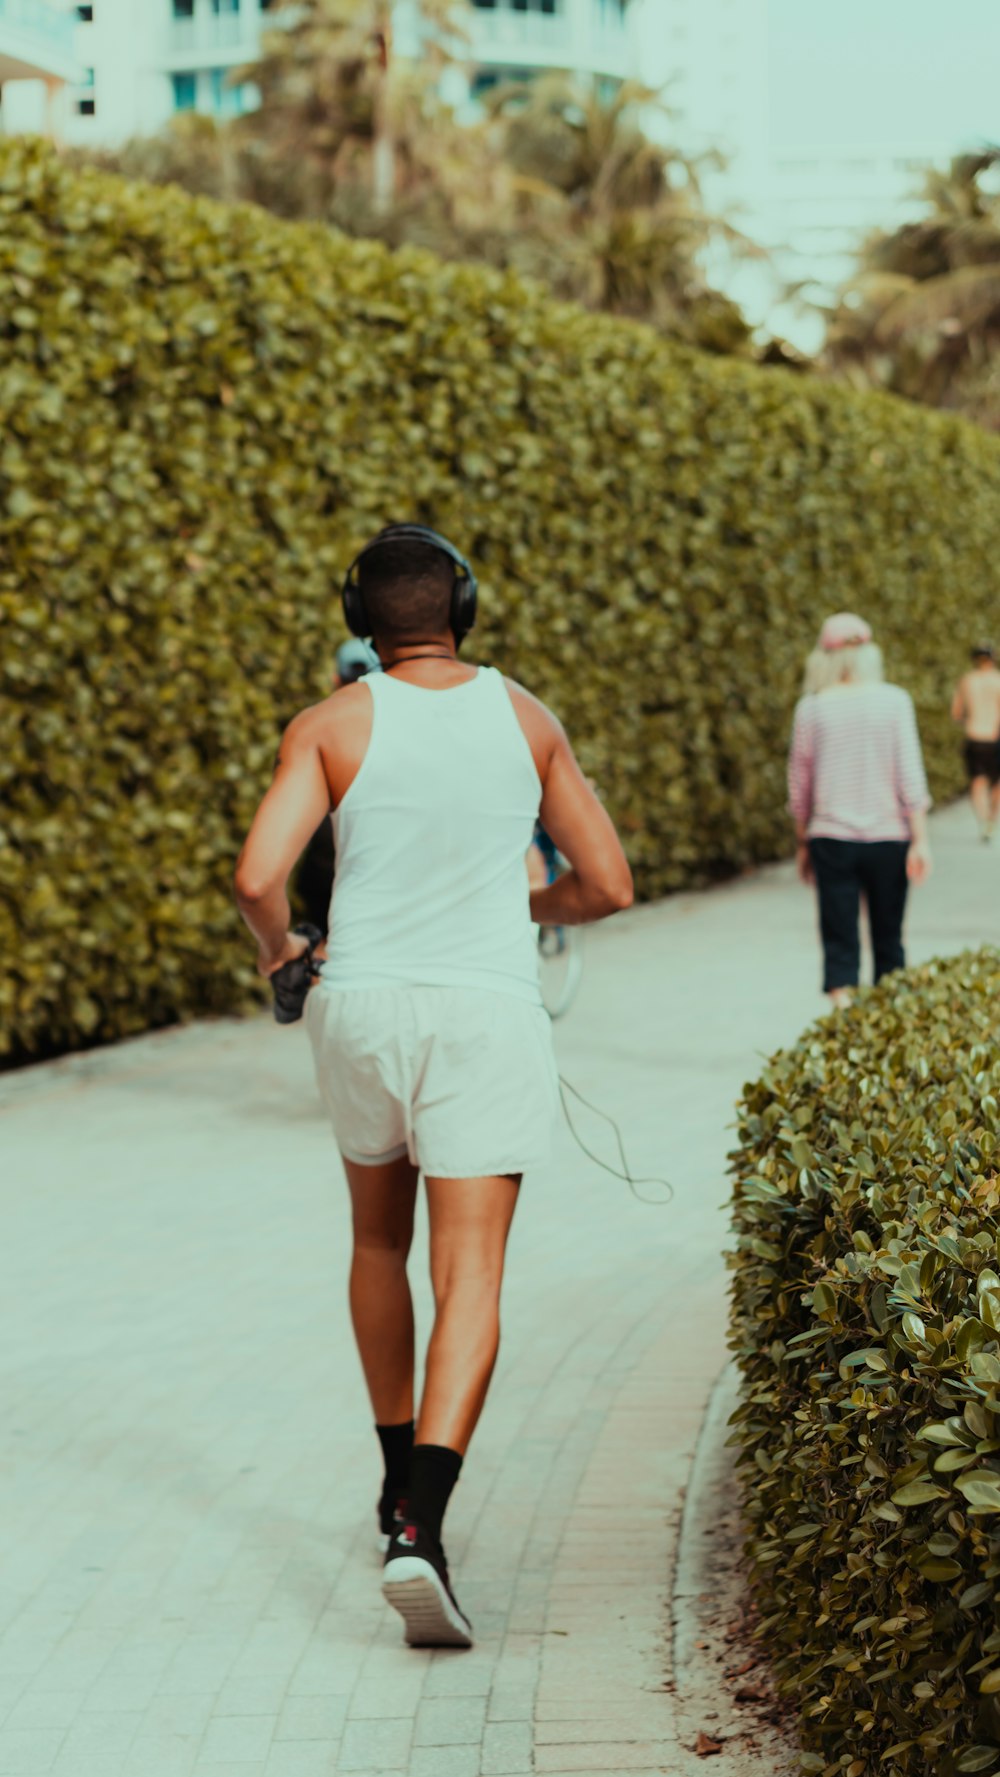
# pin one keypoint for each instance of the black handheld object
(291, 983)
(464, 592)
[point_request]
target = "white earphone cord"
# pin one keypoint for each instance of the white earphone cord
(625, 1175)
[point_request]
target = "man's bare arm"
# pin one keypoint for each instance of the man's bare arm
(958, 702)
(287, 818)
(599, 881)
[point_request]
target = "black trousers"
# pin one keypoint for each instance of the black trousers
(846, 869)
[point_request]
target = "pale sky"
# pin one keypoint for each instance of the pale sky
(884, 71)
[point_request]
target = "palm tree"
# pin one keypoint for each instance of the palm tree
(622, 214)
(334, 94)
(922, 315)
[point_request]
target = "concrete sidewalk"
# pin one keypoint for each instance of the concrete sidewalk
(189, 1473)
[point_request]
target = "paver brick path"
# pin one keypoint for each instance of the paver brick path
(189, 1583)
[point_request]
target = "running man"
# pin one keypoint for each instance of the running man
(432, 1048)
(976, 704)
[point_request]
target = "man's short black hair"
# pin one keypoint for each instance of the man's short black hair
(984, 651)
(407, 587)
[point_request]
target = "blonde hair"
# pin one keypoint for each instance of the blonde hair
(859, 663)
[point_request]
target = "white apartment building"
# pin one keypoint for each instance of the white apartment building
(808, 176)
(709, 59)
(143, 61)
(818, 205)
(38, 55)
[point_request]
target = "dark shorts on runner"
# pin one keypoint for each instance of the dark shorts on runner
(982, 759)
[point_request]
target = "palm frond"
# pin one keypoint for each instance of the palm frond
(961, 302)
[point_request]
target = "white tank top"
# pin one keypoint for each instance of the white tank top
(431, 886)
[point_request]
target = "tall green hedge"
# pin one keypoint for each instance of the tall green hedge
(867, 1327)
(204, 411)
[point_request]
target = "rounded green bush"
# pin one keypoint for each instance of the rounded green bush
(204, 412)
(866, 1323)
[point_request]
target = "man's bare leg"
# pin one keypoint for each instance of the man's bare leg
(994, 804)
(979, 792)
(382, 1201)
(469, 1221)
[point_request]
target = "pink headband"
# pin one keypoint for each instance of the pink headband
(844, 630)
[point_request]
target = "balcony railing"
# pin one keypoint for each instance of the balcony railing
(501, 28)
(581, 33)
(36, 21)
(210, 31)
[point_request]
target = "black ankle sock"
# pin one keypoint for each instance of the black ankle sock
(433, 1473)
(397, 1448)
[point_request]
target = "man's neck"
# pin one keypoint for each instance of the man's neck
(428, 648)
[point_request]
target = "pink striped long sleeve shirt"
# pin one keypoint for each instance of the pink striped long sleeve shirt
(856, 770)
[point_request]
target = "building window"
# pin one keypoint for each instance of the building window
(85, 14)
(86, 107)
(185, 91)
(487, 78)
(228, 99)
(225, 6)
(183, 9)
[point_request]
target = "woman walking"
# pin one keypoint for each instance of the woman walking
(857, 791)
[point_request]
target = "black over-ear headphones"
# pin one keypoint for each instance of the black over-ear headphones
(464, 593)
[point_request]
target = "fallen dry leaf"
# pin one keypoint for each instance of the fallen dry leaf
(705, 1746)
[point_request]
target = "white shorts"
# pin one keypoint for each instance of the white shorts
(463, 1081)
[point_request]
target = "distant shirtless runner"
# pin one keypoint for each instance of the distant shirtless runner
(976, 704)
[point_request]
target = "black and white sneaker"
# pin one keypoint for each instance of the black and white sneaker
(415, 1582)
(391, 1511)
